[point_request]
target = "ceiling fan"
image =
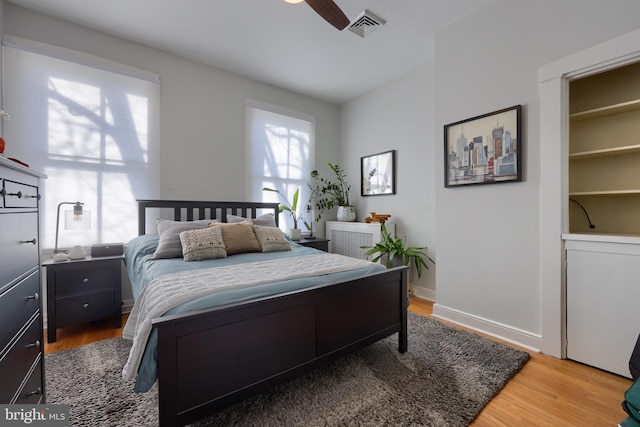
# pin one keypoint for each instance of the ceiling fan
(328, 10)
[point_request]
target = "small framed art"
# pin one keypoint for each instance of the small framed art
(378, 175)
(486, 149)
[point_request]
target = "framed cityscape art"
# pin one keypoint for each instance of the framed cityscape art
(485, 149)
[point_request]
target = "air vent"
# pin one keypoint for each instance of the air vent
(366, 24)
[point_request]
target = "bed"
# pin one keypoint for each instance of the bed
(213, 355)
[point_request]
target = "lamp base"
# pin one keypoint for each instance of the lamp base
(77, 252)
(59, 257)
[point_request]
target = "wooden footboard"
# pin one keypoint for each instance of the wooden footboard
(213, 358)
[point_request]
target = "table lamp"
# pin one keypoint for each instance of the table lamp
(76, 219)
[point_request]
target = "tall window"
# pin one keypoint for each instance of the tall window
(92, 129)
(280, 154)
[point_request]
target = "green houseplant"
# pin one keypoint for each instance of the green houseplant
(292, 208)
(329, 193)
(397, 253)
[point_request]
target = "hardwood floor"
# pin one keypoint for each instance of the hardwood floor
(546, 392)
(83, 333)
(551, 392)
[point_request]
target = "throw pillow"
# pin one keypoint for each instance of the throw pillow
(169, 245)
(271, 239)
(267, 220)
(201, 244)
(239, 237)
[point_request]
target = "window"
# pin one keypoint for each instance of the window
(92, 129)
(280, 155)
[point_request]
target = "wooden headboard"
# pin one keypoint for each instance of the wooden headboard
(188, 210)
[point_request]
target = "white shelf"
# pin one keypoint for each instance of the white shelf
(603, 237)
(605, 193)
(628, 149)
(606, 111)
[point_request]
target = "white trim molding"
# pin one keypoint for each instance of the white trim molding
(554, 144)
(424, 293)
(504, 332)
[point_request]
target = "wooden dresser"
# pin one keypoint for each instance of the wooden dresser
(21, 335)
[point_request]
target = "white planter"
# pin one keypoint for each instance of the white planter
(346, 213)
(295, 233)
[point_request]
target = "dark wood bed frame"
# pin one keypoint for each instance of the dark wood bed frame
(213, 358)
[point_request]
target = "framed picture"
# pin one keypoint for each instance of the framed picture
(484, 150)
(378, 174)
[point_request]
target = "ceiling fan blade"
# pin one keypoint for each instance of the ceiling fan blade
(330, 12)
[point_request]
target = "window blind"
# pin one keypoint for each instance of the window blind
(93, 131)
(280, 155)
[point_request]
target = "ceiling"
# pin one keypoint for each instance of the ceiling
(286, 45)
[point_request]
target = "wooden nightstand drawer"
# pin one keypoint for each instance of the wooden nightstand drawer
(89, 278)
(19, 359)
(86, 307)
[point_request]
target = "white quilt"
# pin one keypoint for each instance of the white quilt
(168, 291)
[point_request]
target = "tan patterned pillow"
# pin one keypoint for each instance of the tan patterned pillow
(271, 239)
(239, 237)
(206, 243)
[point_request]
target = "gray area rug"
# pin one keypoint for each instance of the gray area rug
(445, 379)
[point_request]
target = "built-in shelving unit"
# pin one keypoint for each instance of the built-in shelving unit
(604, 152)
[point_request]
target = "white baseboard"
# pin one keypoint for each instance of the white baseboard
(504, 332)
(127, 306)
(424, 293)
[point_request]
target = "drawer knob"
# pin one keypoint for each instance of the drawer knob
(85, 305)
(37, 196)
(18, 194)
(37, 391)
(35, 344)
(85, 280)
(35, 296)
(29, 241)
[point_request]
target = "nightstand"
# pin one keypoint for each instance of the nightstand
(83, 290)
(322, 244)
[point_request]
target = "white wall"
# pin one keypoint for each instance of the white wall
(488, 236)
(398, 116)
(202, 108)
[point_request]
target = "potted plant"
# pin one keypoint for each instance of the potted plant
(397, 253)
(332, 193)
(294, 233)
